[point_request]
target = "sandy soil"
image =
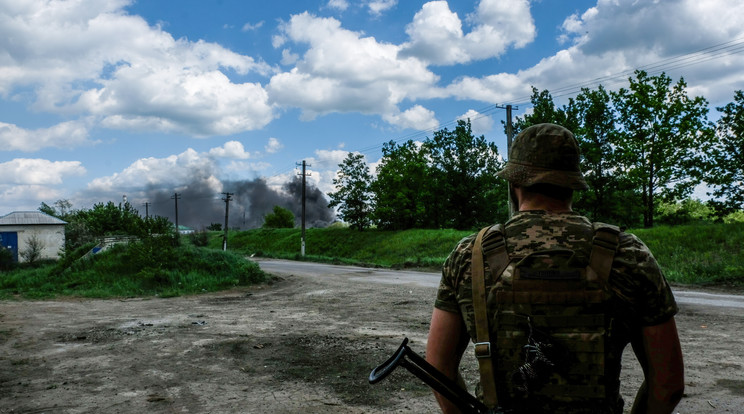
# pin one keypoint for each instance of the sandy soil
(304, 344)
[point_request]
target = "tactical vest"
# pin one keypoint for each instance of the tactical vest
(550, 328)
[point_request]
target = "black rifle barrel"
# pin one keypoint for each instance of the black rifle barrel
(434, 378)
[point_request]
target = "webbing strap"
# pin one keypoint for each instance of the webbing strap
(483, 341)
(604, 245)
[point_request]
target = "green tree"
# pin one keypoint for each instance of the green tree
(727, 155)
(397, 191)
(214, 227)
(544, 110)
(610, 196)
(352, 195)
(464, 170)
(661, 131)
(279, 218)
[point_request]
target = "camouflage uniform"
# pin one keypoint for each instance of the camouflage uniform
(638, 293)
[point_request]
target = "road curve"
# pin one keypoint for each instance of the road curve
(431, 279)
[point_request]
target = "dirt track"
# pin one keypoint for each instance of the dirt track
(303, 344)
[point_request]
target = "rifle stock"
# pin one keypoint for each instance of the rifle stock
(434, 378)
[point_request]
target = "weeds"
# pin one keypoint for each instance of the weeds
(154, 266)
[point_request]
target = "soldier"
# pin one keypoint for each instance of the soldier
(551, 299)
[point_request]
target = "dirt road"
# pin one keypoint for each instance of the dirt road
(304, 344)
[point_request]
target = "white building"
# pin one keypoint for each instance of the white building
(22, 231)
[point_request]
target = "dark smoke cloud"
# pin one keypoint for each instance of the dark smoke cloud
(199, 205)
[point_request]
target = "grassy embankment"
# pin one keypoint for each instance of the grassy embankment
(152, 267)
(702, 254)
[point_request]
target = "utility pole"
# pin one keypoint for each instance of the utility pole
(509, 136)
(147, 209)
(304, 174)
(176, 196)
(226, 199)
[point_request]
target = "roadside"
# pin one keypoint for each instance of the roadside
(305, 343)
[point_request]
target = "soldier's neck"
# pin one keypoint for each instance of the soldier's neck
(540, 202)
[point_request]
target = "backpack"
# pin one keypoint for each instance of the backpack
(550, 325)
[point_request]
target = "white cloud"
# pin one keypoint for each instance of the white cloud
(273, 145)
(377, 7)
(289, 58)
(90, 57)
(26, 182)
(63, 135)
(338, 4)
(252, 26)
(175, 170)
(615, 38)
(35, 171)
(416, 117)
(231, 149)
(342, 71)
(28, 197)
(436, 33)
(481, 124)
(328, 159)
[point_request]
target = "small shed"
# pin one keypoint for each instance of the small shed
(22, 232)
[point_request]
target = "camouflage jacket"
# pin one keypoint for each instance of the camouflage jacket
(639, 293)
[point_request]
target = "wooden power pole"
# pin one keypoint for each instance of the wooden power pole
(226, 199)
(304, 174)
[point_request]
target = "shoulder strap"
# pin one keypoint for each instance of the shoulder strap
(483, 341)
(604, 245)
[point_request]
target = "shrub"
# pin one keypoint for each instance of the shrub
(6, 259)
(735, 217)
(199, 238)
(684, 212)
(280, 218)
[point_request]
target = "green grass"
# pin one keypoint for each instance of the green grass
(702, 254)
(699, 254)
(149, 268)
(394, 249)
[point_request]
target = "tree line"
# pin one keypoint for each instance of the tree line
(644, 150)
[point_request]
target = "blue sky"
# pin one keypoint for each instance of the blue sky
(102, 98)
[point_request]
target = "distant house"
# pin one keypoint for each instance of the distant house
(185, 229)
(22, 229)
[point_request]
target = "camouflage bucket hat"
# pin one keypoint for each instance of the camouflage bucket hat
(547, 154)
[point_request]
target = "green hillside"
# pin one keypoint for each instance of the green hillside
(704, 254)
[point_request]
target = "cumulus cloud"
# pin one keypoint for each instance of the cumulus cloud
(231, 149)
(35, 171)
(343, 71)
(63, 135)
(608, 41)
(170, 171)
(273, 145)
(416, 117)
(91, 57)
(480, 123)
(338, 4)
(377, 7)
(436, 33)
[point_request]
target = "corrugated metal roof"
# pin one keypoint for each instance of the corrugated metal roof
(29, 217)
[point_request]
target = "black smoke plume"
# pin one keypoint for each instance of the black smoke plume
(199, 205)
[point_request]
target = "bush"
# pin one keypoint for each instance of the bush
(684, 212)
(735, 217)
(6, 259)
(280, 218)
(199, 238)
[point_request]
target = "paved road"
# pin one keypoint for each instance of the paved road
(430, 279)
